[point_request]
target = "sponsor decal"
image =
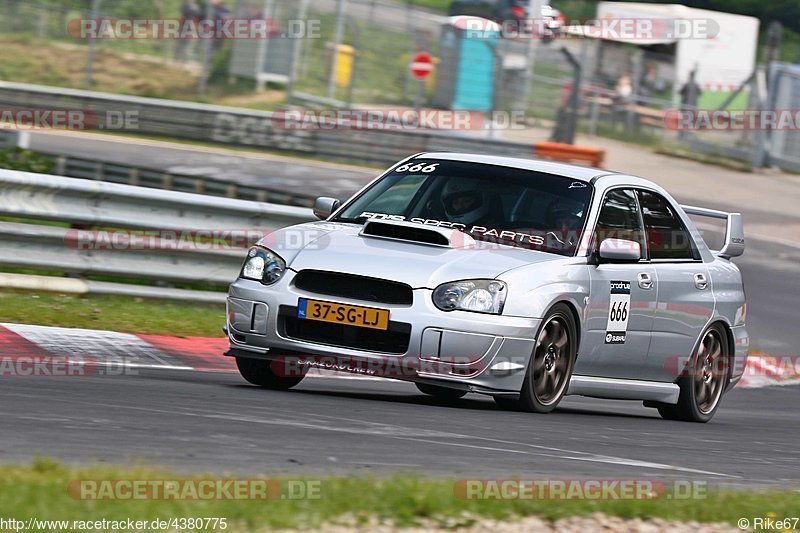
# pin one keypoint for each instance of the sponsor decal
(499, 236)
(619, 306)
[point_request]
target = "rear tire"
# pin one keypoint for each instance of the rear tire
(263, 373)
(703, 382)
(441, 393)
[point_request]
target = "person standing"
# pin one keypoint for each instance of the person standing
(190, 13)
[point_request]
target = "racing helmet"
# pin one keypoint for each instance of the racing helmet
(465, 201)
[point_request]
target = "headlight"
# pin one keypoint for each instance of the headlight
(263, 265)
(479, 295)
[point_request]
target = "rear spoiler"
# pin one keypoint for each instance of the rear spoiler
(734, 229)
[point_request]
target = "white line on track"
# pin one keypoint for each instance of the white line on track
(406, 433)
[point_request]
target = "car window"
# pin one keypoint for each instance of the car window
(619, 219)
(393, 196)
(492, 203)
(667, 236)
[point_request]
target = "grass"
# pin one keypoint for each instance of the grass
(113, 313)
(29, 60)
(41, 490)
(438, 5)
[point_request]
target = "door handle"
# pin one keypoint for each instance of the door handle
(700, 281)
(645, 281)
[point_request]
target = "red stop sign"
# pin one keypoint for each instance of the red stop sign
(421, 66)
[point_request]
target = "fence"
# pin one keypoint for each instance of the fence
(66, 202)
(379, 38)
(784, 83)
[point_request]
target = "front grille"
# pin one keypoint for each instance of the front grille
(394, 340)
(357, 287)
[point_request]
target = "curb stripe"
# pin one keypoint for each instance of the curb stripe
(204, 354)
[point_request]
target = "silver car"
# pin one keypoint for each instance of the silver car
(524, 280)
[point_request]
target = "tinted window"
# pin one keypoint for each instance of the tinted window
(667, 237)
(394, 198)
(619, 219)
(510, 206)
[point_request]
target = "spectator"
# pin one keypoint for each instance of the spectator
(649, 81)
(623, 96)
(190, 11)
(221, 11)
(690, 93)
(624, 89)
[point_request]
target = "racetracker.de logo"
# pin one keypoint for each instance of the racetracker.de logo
(626, 29)
(191, 29)
(191, 240)
(194, 489)
(396, 119)
(37, 366)
(23, 119)
(578, 489)
(732, 120)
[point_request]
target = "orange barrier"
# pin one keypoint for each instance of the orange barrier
(568, 153)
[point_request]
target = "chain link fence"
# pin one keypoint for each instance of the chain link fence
(784, 143)
(356, 53)
(25, 20)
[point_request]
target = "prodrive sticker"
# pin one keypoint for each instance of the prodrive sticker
(619, 306)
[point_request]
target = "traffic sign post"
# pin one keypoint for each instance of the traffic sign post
(421, 67)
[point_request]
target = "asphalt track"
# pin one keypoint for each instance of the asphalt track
(216, 422)
(200, 422)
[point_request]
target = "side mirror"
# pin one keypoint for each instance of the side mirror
(620, 250)
(324, 206)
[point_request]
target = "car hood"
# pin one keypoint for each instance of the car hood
(339, 247)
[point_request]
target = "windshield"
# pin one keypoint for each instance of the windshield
(492, 203)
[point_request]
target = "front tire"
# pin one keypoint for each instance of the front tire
(441, 393)
(703, 383)
(263, 373)
(550, 365)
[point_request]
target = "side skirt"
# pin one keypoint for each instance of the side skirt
(624, 389)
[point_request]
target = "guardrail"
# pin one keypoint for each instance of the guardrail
(76, 167)
(72, 204)
(13, 139)
(247, 127)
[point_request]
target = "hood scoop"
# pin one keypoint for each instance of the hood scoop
(411, 232)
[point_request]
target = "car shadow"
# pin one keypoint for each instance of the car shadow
(472, 402)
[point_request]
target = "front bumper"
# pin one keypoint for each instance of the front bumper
(471, 351)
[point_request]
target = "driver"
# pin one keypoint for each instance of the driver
(563, 222)
(466, 203)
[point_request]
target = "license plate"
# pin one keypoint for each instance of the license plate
(351, 315)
